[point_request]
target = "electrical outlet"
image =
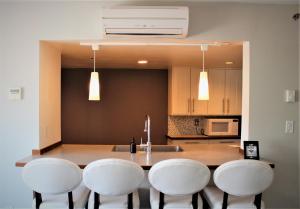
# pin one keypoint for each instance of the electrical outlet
(290, 96)
(196, 122)
(289, 126)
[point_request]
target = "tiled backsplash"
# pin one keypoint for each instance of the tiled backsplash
(184, 125)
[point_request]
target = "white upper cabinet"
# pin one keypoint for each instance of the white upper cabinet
(179, 91)
(233, 92)
(225, 92)
(216, 81)
(183, 92)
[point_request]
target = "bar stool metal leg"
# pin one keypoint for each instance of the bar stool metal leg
(38, 199)
(70, 199)
(96, 200)
(161, 200)
(195, 201)
(257, 201)
(225, 201)
(130, 201)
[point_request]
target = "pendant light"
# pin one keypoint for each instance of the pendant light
(203, 90)
(94, 90)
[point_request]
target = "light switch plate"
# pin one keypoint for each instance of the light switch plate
(289, 126)
(15, 94)
(290, 96)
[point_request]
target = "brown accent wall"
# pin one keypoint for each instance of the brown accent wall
(126, 97)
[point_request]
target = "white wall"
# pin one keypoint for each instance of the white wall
(273, 37)
(245, 93)
(49, 95)
(1, 102)
(299, 88)
(19, 119)
(23, 26)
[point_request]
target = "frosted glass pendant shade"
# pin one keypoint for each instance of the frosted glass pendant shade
(203, 91)
(94, 93)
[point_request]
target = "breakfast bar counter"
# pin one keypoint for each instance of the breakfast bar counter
(211, 155)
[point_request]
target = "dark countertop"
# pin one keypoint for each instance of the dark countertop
(183, 137)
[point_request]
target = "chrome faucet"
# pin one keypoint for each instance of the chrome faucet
(147, 130)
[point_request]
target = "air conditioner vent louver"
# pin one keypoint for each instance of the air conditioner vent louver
(146, 21)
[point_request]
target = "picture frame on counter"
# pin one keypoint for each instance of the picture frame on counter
(251, 150)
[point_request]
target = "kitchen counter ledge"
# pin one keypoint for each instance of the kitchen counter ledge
(212, 155)
(187, 137)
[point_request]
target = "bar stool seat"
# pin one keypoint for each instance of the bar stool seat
(115, 202)
(182, 201)
(214, 197)
(50, 201)
(56, 184)
(239, 185)
(176, 183)
(114, 184)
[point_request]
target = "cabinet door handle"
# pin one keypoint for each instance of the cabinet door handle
(193, 105)
(228, 108)
(226, 142)
(223, 105)
(188, 105)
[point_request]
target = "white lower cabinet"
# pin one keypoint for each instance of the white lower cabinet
(202, 141)
(223, 141)
(186, 141)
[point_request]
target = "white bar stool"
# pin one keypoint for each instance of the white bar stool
(244, 181)
(176, 184)
(56, 183)
(114, 184)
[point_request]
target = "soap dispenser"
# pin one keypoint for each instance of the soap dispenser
(133, 146)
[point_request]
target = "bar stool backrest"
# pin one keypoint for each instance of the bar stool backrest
(51, 175)
(113, 177)
(179, 176)
(243, 177)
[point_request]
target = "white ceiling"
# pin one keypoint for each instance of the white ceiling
(240, 1)
(159, 57)
(253, 1)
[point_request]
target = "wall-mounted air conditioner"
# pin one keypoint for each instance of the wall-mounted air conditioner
(146, 21)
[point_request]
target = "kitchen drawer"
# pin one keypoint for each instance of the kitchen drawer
(191, 141)
(223, 141)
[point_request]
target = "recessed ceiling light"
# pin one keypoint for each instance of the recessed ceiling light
(142, 62)
(226, 43)
(229, 63)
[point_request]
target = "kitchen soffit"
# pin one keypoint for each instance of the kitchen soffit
(159, 57)
(252, 1)
(225, 1)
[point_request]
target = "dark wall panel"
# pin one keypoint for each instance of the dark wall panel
(126, 97)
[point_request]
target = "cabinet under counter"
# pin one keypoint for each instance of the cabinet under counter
(202, 139)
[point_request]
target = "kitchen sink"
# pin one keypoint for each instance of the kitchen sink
(154, 148)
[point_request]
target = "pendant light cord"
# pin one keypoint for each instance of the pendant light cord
(203, 60)
(94, 60)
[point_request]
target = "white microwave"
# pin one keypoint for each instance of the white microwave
(221, 126)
